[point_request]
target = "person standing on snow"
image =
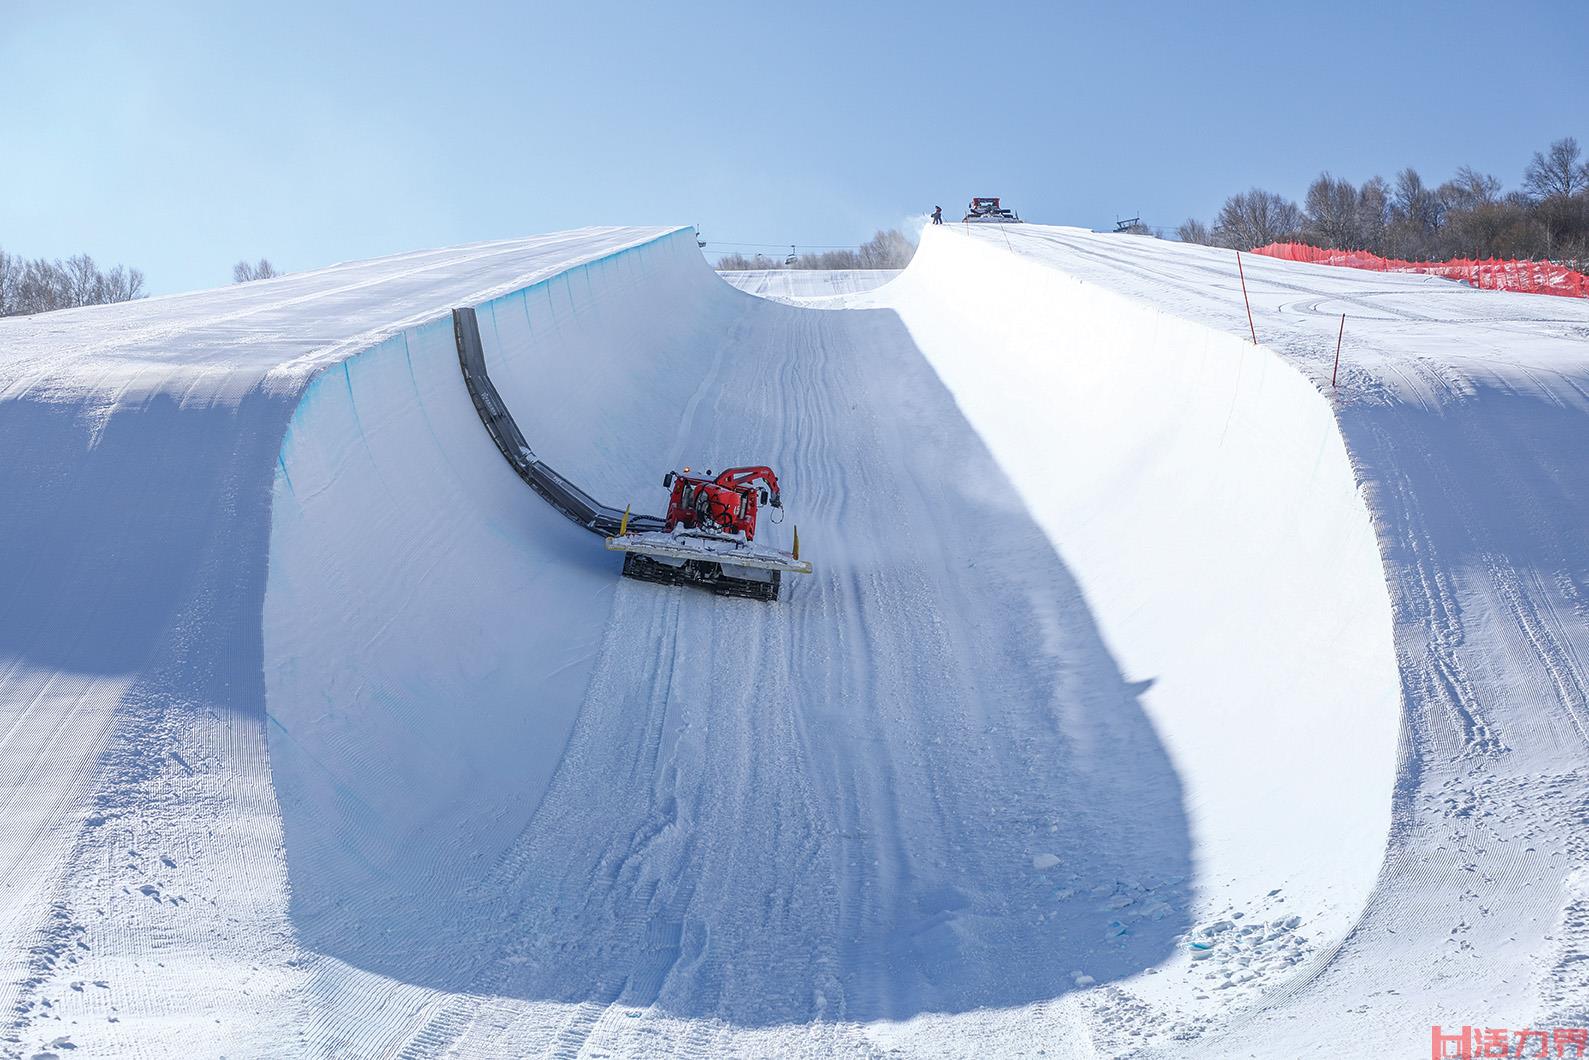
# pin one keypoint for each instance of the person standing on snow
(937, 215)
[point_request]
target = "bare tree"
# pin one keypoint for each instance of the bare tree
(1416, 215)
(1557, 172)
(85, 284)
(1414, 201)
(1469, 190)
(1373, 213)
(887, 249)
(40, 285)
(1192, 230)
(122, 284)
(1256, 218)
(1469, 215)
(890, 249)
(829, 259)
(1332, 207)
(11, 272)
(243, 272)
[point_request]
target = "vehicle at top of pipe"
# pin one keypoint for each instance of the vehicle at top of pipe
(988, 211)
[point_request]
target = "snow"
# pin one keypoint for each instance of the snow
(1459, 410)
(1147, 695)
(1204, 496)
(142, 442)
(799, 286)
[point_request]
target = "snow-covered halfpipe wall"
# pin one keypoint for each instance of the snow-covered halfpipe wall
(430, 622)
(1096, 653)
(477, 726)
(1200, 488)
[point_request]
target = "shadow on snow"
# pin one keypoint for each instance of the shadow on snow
(920, 783)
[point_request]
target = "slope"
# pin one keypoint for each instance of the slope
(139, 820)
(1461, 411)
(335, 740)
(794, 285)
(706, 812)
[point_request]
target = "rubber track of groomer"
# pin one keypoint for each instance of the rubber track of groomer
(560, 493)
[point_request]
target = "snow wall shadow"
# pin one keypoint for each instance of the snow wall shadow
(97, 587)
(503, 770)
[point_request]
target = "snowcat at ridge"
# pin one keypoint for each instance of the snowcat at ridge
(988, 211)
(709, 536)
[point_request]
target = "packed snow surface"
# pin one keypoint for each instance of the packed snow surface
(1150, 695)
(796, 286)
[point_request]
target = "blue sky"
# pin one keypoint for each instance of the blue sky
(180, 137)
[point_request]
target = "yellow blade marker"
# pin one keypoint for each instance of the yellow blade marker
(623, 527)
(797, 541)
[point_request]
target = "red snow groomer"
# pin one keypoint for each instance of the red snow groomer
(709, 536)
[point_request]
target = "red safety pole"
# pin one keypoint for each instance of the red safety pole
(1338, 336)
(1242, 273)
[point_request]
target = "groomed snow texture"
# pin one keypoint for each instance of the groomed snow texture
(1148, 693)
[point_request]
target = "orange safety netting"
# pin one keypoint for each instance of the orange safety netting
(1495, 274)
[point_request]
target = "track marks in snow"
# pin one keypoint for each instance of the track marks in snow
(1431, 661)
(131, 692)
(1459, 445)
(827, 809)
(1564, 993)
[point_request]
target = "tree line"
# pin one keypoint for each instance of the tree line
(40, 285)
(1467, 216)
(246, 272)
(888, 249)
